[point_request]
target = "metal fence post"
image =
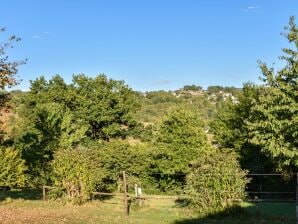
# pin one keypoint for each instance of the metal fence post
(257, 207)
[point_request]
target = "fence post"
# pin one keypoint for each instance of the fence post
(125, 194)
(43, 193)
(297, 198)
(257, 207)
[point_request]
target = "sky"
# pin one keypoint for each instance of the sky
(150, 44)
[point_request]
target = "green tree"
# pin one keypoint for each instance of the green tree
(12, 168)
(73, 130)
(275, 124)
(231, 131)
(182, 126)
(8, 69)
(37, 136)
(106, 105)
(180, 140)
(54, 114)
(192, 87)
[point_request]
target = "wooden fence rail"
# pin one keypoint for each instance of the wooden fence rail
(128, 197)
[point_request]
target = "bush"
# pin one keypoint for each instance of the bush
(12, 168)
(78, 171)
(129, 156)
(215, 181)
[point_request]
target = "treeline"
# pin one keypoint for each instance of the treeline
(80, 136)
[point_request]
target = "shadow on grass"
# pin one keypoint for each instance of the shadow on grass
(268, 212)
(107, 199)
(25, 193)
(102, 197)
(181, 203)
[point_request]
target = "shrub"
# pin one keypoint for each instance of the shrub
(215, 180)
(125, 155)
(78, 171)
(12, 168)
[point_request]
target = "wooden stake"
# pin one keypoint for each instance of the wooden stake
(43, 193)
(125, 194)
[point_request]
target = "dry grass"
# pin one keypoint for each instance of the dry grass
(111, 211)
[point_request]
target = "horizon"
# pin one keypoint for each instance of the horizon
(150, 45)
(15, 89)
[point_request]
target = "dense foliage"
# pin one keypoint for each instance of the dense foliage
(231, 131)
(262, 126)
(8, 68)
(179, 140)
(215, 180)
(12, 168)
(8, 71)
(78, 171)
(275, 124)
(54, 114)
(129, 156)
(192, 88)
(80, 136)
(156, 104)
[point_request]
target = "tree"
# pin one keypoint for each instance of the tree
(192, 88)
(182, 126)
(231, 131)
(275, 123)
(12, 168)
(37, 134)
(180, 140)
(55, 115)
(8, 69)
(107, 105)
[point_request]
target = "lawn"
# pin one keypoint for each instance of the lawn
(27, 207)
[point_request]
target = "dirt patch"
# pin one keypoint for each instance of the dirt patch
(21, 215)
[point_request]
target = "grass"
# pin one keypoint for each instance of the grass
(27, 207)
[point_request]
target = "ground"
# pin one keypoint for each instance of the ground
(27, 207)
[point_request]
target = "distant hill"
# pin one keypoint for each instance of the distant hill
(155, 104)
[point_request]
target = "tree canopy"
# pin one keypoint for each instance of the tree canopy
(179, 140)
(54, 114)
(8, 68)
(275, 123)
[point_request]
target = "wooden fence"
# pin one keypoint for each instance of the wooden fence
(127, 198)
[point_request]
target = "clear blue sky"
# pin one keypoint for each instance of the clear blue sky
(151, 44)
